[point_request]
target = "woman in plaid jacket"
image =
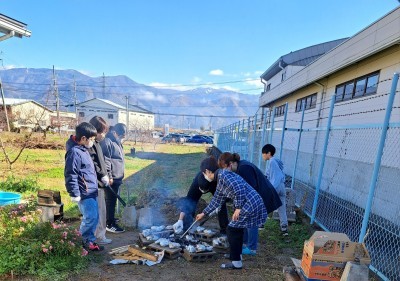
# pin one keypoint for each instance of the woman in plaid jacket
(249, 207)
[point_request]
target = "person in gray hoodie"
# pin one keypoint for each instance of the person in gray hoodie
(276, 176)
(113, 152)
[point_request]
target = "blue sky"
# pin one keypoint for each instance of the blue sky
(177, 42)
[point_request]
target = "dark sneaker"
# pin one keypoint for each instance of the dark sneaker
(91, 246)
(114, 228)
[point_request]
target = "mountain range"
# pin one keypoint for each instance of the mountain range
(195, 108)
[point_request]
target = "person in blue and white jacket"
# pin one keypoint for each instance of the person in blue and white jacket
(249, 207)
(81, 181)
(276, 176)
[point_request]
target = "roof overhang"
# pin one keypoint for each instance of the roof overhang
(376, 37)
(12, 28)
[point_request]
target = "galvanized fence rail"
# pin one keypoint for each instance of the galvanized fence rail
(346, 177)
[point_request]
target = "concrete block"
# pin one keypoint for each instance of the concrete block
(355, 272)
(129, 216)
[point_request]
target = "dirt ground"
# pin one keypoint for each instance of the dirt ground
(266, 265)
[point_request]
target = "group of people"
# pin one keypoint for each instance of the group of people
(252, 194)
(94, 169)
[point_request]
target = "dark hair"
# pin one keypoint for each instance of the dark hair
(120, 129)
(204, 185)
(227, 157)
(268, 148)
(210, 163)
(99, 123)
(85, 129)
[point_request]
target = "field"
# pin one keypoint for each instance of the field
(154, 173)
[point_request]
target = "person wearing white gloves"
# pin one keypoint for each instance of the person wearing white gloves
(188, 204)
(81, 181)
(103, 177)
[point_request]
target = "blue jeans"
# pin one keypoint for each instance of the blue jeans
(250, 238)
(89, 211)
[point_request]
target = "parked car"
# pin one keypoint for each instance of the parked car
(173, 138)
(200, 139)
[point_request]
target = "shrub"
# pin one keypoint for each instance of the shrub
(30, 247)
(21, 186)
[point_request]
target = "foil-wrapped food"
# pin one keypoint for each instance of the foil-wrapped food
(163, 242)
(157, 228)
(174, 245)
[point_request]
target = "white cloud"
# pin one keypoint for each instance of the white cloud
(253, 82)
(196, 79)
(178, 87)
(150, 96)
(216, 72)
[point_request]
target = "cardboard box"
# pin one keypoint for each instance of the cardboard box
(325, 255)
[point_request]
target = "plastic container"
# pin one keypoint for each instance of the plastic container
(7, 198)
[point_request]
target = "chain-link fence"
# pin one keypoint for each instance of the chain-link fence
(345, 177)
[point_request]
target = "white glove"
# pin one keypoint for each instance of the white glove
(105, 180)
(76, 199)
(178, 227)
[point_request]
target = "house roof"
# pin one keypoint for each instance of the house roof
(13, 27)
(376, 37)
(12, 101)
(133, 108)
(300, 57)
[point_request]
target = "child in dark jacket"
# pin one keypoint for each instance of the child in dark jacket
(81, 181)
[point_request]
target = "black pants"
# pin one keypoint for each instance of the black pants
(235, 239)
(111, 201)
(188, 206)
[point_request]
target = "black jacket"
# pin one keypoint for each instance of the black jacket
(253, 176)
(96, 153)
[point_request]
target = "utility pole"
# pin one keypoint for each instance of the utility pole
(4, 106)
(57, 100)
(104, 86)
(127, 112)
(76, 109)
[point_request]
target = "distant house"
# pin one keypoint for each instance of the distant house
(65, 120)
(113, 113)
(25, 113)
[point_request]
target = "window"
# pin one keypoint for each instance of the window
(110, 116)
(309, 101)
(283, 76)
(280, 110)
(81, 114)
(361, 86)
(268, 87)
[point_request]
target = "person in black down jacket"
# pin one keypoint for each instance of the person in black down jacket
(103, 177)
(188, 204)
(114, 157)
(253, 176)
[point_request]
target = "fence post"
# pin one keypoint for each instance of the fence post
(248, 138)
(298, 145)
(378, 159)
(253, 139)
(262, 137)
(283, 130)
(323, 156)
(272, 125)
(242, 138)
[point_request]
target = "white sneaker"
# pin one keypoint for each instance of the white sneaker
(103, 241)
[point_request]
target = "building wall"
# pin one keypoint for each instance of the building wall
(29, 114)
(351, 152)
(113, 115)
